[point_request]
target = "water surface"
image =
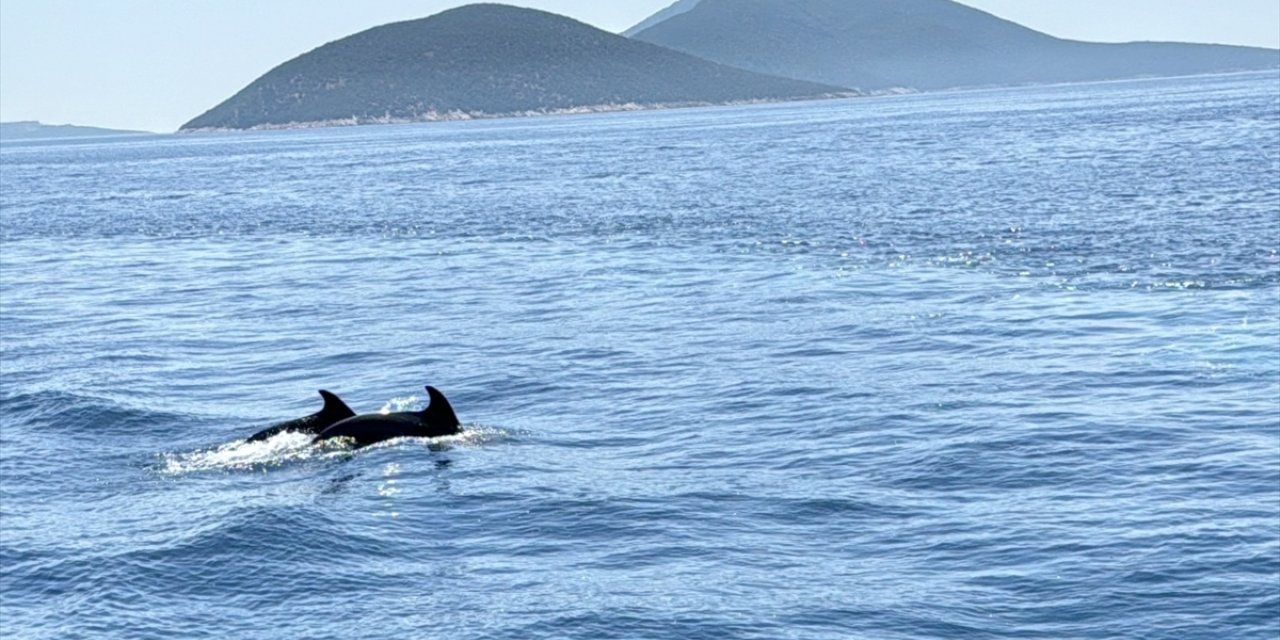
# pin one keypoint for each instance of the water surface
(994, 364)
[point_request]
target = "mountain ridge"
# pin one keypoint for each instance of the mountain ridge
(921, 44)
(673, 10)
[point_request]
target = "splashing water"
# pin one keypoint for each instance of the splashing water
(292, 447)
(404, 403)
(281, 449)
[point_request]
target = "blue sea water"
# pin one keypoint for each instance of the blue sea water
(991, 364)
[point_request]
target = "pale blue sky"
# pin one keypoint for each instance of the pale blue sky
(154, 64)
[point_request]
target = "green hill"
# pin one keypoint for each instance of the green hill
(480, 61)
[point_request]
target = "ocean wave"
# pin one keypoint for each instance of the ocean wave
(75, 413)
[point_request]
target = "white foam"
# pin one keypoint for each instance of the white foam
(291, 446)
(284, 447)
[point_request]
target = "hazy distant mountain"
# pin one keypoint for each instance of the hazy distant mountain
(31, 130)
(923, 44)
(684, 6)
(484, 60)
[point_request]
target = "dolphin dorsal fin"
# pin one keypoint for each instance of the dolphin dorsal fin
(334, 406)
(439, 412)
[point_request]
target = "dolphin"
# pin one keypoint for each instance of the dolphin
(438, 419)
(333, 411)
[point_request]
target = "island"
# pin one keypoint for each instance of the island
(917, 44)
(33, 130)
(487, 60)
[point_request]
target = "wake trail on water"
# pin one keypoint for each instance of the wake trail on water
(242, 455)
(292, 447)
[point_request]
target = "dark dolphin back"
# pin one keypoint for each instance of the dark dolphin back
(439, 415)
(438, 419)
(334, 409)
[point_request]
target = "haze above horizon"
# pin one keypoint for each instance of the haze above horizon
(152, 65)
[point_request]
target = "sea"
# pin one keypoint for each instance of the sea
(979, 364)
